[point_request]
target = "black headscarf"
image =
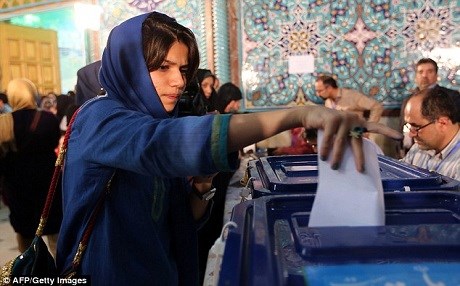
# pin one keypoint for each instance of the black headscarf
(88, 85)
(227, 92)
(201, 104)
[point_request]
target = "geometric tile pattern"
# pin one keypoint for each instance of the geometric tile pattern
(370, 46)
(188, 13)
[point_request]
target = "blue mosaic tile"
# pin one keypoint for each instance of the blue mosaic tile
(221, 41)
(371, 46)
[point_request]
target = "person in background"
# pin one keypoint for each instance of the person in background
(228, 98)
(70, 110)
(347, 99)
(4, 106)
(162, 165)
(299, 143)
(28, 137)
(204, 101)
(430, 117)
(49, 103)
(63, 102)
(88, 85)
(426, 77)
(64, 123)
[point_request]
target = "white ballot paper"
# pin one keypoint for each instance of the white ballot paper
(346, 197)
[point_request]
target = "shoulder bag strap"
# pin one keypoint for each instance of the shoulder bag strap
(55, 179)
(52, 189)
(89, 228)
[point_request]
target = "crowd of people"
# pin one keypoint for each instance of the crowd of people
(169, 170)
(28, 138)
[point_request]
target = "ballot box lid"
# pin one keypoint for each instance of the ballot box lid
(299, 174)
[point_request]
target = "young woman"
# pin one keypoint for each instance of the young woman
(146, 231)
(205, 100)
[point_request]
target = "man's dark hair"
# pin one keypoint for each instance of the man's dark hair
(3, 97)
(327, 80)
(427, 61)
(437, 103)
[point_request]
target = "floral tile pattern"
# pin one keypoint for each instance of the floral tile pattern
(370, 46)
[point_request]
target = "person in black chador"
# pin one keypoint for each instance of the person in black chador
(204, 101)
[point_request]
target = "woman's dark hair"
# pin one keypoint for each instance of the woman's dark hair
(159, 33)
(3, 97)
(226, 93)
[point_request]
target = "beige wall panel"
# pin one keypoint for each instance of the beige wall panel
(14, 49)
(15, 71)
(30, 51)
(45, 89)
(32, 73)
(46, 52)
(47, 74)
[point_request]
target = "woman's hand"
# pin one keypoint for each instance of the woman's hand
(202, 183)
(337, 126)
(247, 129)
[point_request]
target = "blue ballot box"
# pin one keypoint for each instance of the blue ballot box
(273, 245)
(299, 174)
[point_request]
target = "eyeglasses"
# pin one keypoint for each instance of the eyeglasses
(415, 129)
(319, 90)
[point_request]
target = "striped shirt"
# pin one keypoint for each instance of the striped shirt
(446, 162)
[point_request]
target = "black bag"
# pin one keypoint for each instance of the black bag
(36, 261)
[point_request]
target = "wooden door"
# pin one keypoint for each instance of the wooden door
(31, 53)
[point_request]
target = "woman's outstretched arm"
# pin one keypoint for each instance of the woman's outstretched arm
(246, 129)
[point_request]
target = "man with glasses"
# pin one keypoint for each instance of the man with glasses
(430, 120)
(426, 77)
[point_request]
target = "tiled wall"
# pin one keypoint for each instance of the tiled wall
(188, 13)
(370, 46)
